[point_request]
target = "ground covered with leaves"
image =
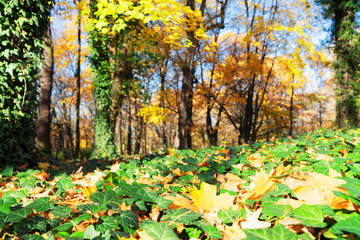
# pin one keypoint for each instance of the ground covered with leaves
(302, 188)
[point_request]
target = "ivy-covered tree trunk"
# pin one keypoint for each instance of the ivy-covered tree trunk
(346, 64)
(347, 61)
(23, 25)
(100, 60)
(46, 81)
(78, 88)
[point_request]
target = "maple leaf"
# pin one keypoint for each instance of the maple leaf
(179, 201)
(319, 189)
(252, 220)
(232, 232)
(206, 200)
(42, 176)
(230, 182)
(256, 159)
(260, 184)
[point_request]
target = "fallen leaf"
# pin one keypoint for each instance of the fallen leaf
(252, 220)
(256, 159)
(89, 190)
(115, 167)
(344, 152)
(43, 165)
(204, 163)
(179, 201)
(233, 233)
(143, 235)
(230, 182)
(260, 184)
(206, 200)
(42, 176)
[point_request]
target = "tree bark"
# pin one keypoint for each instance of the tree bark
(163, 71)
(138, 130)
(78, 88)
(291, 111)
(185, 105)
(46, 81)
(129, 133)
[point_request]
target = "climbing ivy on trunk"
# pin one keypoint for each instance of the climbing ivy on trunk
(347, 62)
(23, 25)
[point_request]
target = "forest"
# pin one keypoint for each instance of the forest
(108, 78)
(119, 117)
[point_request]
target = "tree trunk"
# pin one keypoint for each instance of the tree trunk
(320, 113)
(163, 70)
(118, 132)
(346, 65)
(185, 105)
(46, 81)
(129, 133)
(138, 130)
(78, 88)
(291, 111)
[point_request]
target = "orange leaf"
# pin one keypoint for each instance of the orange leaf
(42, 176)
(344, 152)
(204, 163)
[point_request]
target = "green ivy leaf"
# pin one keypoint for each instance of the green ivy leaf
(158, 231)
(28, 183)
(278, 233)
(351, 225)
(209, 229)
(128, 220)
(61, 211)
(310, 215)
(64, 227)
(182, 215)
(103, 197)
(276, 210)
(107, 223)
(229, 216)
(91, 233)
(40, 204)
(18, 215)
(81, 218)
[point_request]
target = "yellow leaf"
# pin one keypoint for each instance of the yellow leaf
(206, 200)
(178, 202)
(89, 190)
(44, 165)
(143, 235)
(252, 220)
(260, 184)
(233, 232)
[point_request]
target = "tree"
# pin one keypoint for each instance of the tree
(347, 62)
(78, 80)
(23, 25)
(46, 82)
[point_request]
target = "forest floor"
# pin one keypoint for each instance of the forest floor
(306, 187)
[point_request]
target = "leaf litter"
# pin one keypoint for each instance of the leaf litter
(302, 188)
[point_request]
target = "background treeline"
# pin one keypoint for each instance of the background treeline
(136, 77)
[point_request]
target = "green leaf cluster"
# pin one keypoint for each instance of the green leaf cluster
(22, 27)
